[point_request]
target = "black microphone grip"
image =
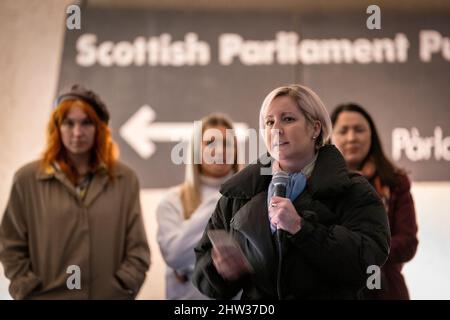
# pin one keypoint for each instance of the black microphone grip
(280, 191)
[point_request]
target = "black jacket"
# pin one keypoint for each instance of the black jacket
(344, 230)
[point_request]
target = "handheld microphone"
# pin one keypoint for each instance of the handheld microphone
(280, 180)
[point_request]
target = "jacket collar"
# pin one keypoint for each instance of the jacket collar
(248, 182)
(98, 183)
(52, 171)
(329, 177)
(330, 174)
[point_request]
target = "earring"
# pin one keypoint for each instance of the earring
(314, 138)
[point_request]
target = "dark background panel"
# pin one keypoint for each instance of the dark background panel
(410, 94)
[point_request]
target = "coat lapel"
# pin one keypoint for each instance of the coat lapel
(252, 221)
(321, 210)
(96, 187)
(61, 177)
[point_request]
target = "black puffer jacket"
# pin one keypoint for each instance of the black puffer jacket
(344, 230)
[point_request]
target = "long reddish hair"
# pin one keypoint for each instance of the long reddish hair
(104, 150)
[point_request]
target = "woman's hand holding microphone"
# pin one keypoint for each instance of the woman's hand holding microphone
(283, 215)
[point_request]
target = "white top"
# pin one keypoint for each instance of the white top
(177, 237)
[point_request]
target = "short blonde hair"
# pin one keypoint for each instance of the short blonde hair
(308, 103)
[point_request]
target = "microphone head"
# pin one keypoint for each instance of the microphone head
(280, 177)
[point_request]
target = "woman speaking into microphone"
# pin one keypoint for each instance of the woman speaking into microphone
(332, 225)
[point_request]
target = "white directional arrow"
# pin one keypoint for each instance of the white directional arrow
(140, 133)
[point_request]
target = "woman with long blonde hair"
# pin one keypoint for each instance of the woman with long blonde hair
(185, 210)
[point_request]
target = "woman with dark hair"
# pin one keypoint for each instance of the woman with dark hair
(355, 135)
(73, 227)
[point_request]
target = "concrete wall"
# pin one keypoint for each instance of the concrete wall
(31, 38)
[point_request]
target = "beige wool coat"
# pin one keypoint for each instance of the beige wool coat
(47, 229)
